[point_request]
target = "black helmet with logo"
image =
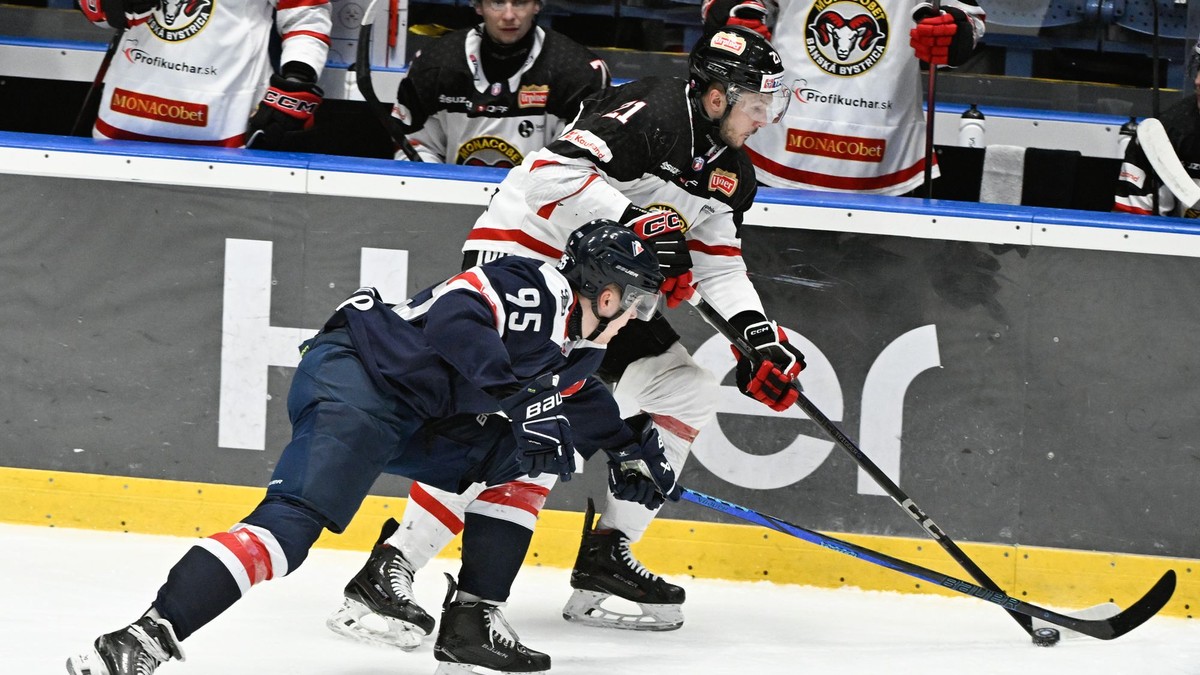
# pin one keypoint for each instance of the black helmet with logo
(602, 253)
(736, 55)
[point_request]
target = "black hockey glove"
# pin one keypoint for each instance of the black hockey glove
(749, 13)
(640, 472)
(544, 441)
(118, 12)
(940, 39)
(287, 108)
(770, 379)
(663, 233)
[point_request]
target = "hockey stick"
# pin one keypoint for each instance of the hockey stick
(100, 73)
(930, 97)
(362, 76)
(1103, 629)
(910, 507)
(1152, 136)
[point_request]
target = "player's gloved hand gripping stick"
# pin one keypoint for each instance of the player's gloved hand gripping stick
(748, 351)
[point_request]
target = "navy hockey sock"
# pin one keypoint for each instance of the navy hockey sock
(492, 553)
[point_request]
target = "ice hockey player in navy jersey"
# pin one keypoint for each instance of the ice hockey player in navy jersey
(663, 156)
(414, 390)
(492, 94)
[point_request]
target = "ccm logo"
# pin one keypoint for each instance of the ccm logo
(545, 405)
(281, 100)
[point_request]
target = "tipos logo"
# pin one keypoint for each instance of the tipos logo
(846, 37)
(178, 20)
(488, 151)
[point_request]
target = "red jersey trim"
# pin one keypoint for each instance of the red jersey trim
(116, 134)
(310, 33)
(517, 236)
(836, 182)
(701, 247)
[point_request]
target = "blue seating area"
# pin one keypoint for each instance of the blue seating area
(1120, 28)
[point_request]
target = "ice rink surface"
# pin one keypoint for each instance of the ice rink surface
(61, 588)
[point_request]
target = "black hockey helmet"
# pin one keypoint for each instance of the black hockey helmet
(602, 253)
(744, 62)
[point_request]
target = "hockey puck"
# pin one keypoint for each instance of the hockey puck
(1046, 637)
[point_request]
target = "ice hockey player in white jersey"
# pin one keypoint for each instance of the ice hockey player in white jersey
(855, 123)
(416, 390)
(664, 156)
(492, 94)
(198, 71)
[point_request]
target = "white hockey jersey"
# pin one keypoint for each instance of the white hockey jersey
(855, 123)
(192, 71)
(639, 144)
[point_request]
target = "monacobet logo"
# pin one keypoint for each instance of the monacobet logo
(160, 109)
(488, 151)
(250, 346)
(853, 148)
(178, 20)
(846, 37)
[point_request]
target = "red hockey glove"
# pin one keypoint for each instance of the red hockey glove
(663, 233)
(771, 382)
(678, 289)
(940, 39)
(640, 472)
(286, 110)
(749, 13)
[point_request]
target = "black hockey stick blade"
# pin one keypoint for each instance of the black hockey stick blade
(1103, 629)
(882, 479)
(362, 78)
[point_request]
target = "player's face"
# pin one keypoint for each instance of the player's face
(741, 123)
(507, 21)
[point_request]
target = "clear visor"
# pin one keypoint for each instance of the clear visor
(647, 302)
(762, 107)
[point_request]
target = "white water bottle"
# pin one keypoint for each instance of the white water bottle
(970, 128)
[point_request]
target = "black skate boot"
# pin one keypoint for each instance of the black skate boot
(379, 605)
(474, 635)
(137, 649)
(605, 567)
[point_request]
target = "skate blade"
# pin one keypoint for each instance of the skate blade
(355, 621)
(466, 669)
(585, 608)
(88, 663)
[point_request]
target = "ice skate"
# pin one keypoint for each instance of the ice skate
(379, 607)
(604, 568)
(475, 638)
(137, 649)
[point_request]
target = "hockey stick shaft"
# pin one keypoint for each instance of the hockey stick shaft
(1104, 629)
(930, 104)
(864, 462)
(77, 127)
(362, 76)
(1156, 145)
